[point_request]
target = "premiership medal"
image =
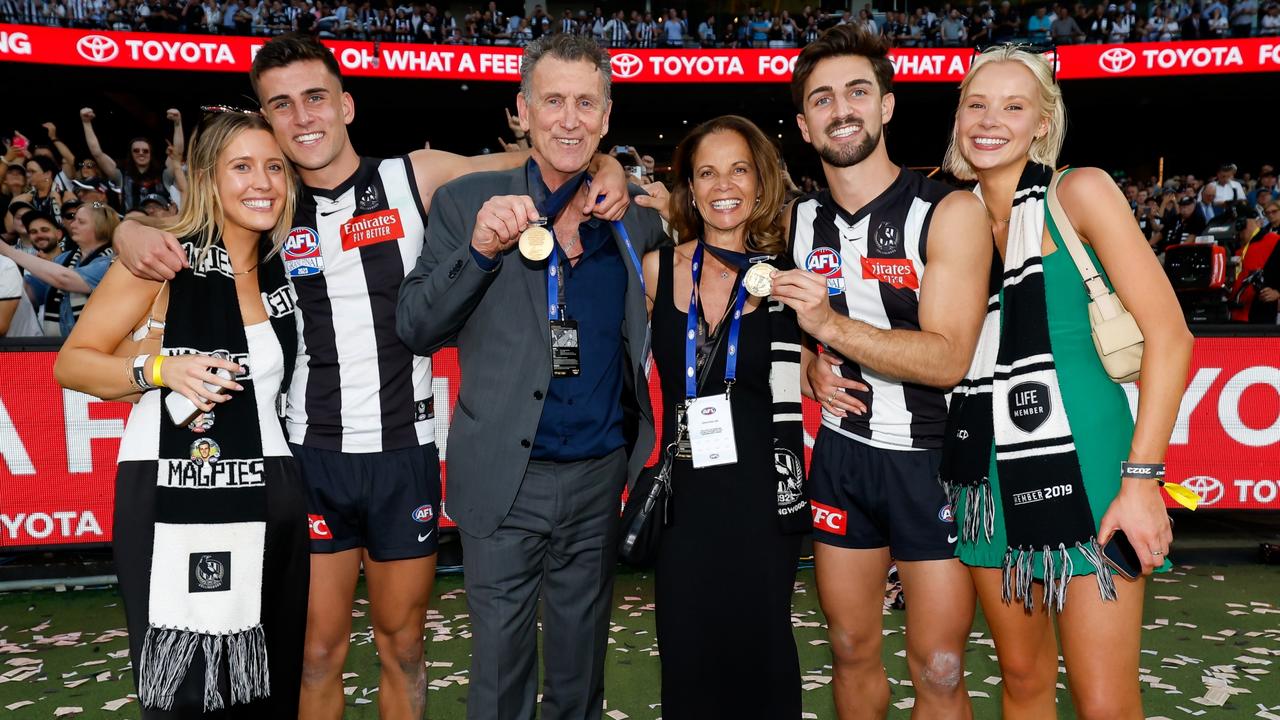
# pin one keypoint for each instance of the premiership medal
(536, 241)
(759, 279)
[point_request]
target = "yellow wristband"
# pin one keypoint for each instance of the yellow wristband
(156, 379)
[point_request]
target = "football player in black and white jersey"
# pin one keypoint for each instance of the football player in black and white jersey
(903, 337)
(359, 409)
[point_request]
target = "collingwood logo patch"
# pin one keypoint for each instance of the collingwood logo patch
(888, 238)
(209, 572)
(368, 199)
(1029, 405)
(790, 479)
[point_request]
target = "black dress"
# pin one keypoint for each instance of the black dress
(725, 570)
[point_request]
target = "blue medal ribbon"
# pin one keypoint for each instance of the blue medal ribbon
(691, 334)
(549, 208)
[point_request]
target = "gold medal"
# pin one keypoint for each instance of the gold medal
(759, 279)
(536, 241)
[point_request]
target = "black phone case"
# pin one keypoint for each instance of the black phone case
(1121, 556)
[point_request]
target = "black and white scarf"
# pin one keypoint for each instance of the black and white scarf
(1011, 397)
(794, 515)
(57, 296)
(211, 503)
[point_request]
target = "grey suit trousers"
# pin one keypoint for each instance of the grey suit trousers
(558, 542)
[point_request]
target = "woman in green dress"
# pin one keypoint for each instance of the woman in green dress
(1043, 456)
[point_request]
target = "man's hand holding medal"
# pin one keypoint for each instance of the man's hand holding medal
(501, 221)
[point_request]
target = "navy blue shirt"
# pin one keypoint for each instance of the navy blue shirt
(582, 416)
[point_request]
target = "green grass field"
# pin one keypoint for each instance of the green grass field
(63, 654)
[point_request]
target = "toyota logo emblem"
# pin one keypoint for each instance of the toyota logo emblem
(1208, 488)
(97, 48)
(626, 65)
(1117, 60)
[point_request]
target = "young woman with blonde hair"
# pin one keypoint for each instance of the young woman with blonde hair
(1042, 454)
(210, 515)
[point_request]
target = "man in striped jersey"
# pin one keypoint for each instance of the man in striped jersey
(906, 337)
(360, 408)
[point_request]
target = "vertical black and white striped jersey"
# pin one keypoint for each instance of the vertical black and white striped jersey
(356, 387)
(874, 261)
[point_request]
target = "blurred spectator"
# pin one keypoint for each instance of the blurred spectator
(616, 32)
(1254, 294)
(707, 32)
(142, 172)
(1007, 24)
(1270, 24)
(953, 30)
(63, 285)
(1226, 189)
(44, 236)
(646, 32)
(1038, 26)
(1216, 26)
(42, 195)
(1180, 220)
(673, 30)
(1192, 26)
(1244, 15)
(158, 206)
(17, 316)
(1206, 206)
(1065, 30)
(1267, 182)
(1099, 28)
(13, 184)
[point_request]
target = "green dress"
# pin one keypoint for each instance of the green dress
(1097, 410)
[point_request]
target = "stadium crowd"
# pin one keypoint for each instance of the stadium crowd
(45, 186)
(951, 25)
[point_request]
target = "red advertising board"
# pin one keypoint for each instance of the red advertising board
(159, 51)
(58, 448)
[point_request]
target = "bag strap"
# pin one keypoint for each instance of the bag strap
(1093, 281)
(143, 331)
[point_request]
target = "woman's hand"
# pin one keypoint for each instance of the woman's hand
(831, 390)
(1140, 512)
(187, 374)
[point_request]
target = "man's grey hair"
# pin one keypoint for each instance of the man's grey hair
(570, 48)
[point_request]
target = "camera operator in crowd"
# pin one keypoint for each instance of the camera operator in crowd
(1254, 295)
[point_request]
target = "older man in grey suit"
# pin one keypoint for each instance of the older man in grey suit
(545, 432)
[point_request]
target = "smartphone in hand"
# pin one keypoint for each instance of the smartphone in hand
(182, 411)
(1120, 556)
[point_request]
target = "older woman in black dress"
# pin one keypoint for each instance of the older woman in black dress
(727, 564)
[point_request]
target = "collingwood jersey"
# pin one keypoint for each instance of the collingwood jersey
(874, 261)
(356, 387)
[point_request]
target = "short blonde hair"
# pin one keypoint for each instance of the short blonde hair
(1045, 149)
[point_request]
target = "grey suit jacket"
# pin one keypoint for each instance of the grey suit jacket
(499, 322)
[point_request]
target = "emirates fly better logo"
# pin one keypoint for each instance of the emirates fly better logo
(626, 65)
(97, 48)
(1117, 60)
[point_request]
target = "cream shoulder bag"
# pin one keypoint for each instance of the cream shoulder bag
(1116, 336)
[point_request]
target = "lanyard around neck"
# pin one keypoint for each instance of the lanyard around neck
(691, 334)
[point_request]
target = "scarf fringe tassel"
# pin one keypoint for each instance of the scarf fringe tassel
(979, 509)
(167, 656)
(1056, 569)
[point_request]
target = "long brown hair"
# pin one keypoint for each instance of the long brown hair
(202, 210)
(764, 225)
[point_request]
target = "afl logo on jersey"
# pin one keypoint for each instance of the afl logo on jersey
(423, 514)
(826, 261)
(301, 253)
